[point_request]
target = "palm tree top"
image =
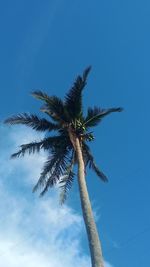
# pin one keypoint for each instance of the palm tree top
(66, 119)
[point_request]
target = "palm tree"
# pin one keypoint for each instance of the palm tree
(66, 149)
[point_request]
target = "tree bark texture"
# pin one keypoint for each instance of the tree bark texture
(92, 233)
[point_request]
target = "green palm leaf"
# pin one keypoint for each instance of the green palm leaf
(58, 170)
(54, 168)
(73, 98)
(32, 121)
(95, 115)
(89, 161)
(49, 143)
(41, 96)
(67, 180)
(28, 148)
(53, 106)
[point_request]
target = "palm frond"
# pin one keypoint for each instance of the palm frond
(95, 115)
(73, 100)
(89, 161)
(48, 143)
(32, 121)
(53, 169)
(28, 148)
(67, 180)
(58, 170)
(53, 106)
(41, 96)
(86, 73)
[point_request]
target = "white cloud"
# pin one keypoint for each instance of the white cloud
(39, 234)
(108, 264)
(31, 166)
(34, 232)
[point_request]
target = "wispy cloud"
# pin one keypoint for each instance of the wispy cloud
(34, 232)
(108, 264)
(39, 233)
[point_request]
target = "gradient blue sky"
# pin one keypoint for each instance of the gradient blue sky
(44, 45)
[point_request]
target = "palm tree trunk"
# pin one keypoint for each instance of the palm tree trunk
(92, 233)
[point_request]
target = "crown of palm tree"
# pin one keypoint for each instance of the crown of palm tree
(66, 118)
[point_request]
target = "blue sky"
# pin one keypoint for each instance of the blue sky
(44, 45)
